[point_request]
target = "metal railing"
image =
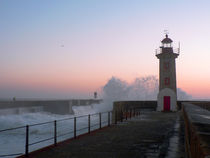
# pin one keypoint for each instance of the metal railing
(175, 50)
(104, 119)
(119, 116)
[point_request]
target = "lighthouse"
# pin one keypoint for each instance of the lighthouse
(167, 96)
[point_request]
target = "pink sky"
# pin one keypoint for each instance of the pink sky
(75, 47)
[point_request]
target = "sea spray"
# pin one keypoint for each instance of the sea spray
(182, 95)
(15, 120)
(144, 88)
(92, 109)
(13, 141)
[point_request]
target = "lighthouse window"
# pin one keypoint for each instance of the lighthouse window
(167, 81)
(166, 65)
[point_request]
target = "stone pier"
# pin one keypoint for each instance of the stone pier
(53, 106)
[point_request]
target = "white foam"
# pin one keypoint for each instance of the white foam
(144, 88)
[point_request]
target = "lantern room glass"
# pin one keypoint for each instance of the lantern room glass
(167, 45)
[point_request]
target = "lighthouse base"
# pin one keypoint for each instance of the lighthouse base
(166, 100)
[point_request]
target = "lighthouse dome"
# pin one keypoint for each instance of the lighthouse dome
(166, 40)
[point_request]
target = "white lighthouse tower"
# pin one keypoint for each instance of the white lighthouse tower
(167, 96)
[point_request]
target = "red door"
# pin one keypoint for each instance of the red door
(167, 101)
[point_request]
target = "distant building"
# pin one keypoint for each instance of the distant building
(167, 96)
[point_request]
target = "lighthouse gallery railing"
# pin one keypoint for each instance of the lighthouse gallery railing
(159, 51)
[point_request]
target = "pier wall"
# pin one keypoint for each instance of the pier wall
(52, 106)
(197, 129)
(120, 107)
(125, 106)
(203, 104)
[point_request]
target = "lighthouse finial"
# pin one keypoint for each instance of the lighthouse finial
(166, 33)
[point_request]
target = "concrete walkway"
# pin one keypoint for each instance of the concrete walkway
(146, 136)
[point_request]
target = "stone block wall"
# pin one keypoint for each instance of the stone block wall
(197, 130)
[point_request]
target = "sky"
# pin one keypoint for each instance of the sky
(71, 48)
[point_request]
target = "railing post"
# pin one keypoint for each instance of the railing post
(100, 120)
(27, 140)
(130, 113)
(108, 118)
(55, 133)
(89, 123)
(121, 116)
(115, 117)
(75, 127)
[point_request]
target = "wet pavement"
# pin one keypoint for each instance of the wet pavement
(176, 148)
(150, 135)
